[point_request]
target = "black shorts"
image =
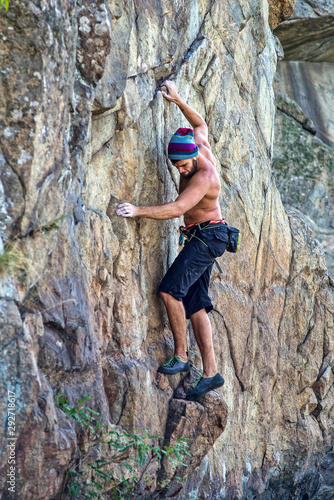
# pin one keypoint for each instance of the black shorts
(188, 277)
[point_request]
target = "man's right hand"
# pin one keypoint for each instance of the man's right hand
(126, 210)
(171, 94)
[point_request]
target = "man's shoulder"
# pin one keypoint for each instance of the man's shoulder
(206, 173)
(206, 158)
(201, 174)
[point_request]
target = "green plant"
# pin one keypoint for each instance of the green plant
(46, 228)
(53, 224)
(6, 2)
(12, 260)
(117, 460)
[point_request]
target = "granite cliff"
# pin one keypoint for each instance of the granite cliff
(84, 126)
(304, 129)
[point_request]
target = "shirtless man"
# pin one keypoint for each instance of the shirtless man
(184, 289)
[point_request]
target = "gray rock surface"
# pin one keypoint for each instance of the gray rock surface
(303, 164)
(304, 168)
(308, 39)
(311, 86)
(83, 126)
(309, 33)
(313, 9)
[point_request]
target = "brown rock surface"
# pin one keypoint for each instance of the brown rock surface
(200, 423)
(310, 84)
(83, 128)
(280, 11)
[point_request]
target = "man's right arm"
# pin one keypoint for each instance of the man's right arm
(190, 196)
(160, 212)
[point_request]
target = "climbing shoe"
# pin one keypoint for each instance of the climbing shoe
(203, 386)
(174, 365)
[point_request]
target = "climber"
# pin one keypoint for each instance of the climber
(184, 289)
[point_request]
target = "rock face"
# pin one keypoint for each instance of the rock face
(309, 34)
(311, 86)
(306, 74)
(303, 163)
(279, 11)
(84, 127)
(304, 168)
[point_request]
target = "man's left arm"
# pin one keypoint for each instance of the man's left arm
(195, 119)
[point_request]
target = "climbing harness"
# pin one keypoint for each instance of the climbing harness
(234, 236)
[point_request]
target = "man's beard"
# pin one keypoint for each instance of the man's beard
(192, 171)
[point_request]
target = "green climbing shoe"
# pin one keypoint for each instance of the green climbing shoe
(203, 386)
(174, 365)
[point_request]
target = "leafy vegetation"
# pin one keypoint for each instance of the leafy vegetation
(12, 260)
(53, 224)
(112, 459)
(6, 2)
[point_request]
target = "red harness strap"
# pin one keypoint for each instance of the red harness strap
(211, 222)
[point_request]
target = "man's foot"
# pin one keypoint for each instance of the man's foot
(203, 386)
(174, 365)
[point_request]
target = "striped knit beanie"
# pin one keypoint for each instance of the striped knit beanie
(182, 145)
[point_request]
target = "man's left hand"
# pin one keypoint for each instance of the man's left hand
(126, 210)
(171, 94)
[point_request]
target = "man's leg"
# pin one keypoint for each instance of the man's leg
(203, 335)
(177, 320)
(176, 289)
(188, 266)
(211, 379)
(197, 305)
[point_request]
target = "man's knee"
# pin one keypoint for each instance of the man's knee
(165, 296)
(198, 314)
